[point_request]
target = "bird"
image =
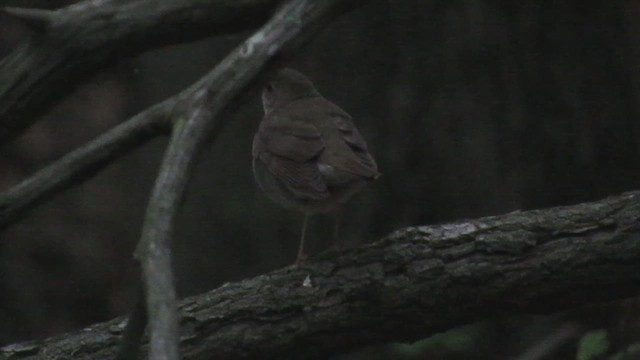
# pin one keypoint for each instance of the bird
(307, 153)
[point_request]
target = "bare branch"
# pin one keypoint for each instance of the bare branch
(81, 164)
(36, 19)
(294, 22)
(409, 285)
(129, 348)
(86, 36)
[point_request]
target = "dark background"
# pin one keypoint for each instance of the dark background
(471, 108)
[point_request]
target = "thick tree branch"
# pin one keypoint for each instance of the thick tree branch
(77, 40)
(409, 285)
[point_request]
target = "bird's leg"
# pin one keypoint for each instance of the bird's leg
(339, 242)
(301, 254)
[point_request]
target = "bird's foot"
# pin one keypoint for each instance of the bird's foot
(301, 259)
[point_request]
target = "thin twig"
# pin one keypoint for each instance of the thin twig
(137, 322)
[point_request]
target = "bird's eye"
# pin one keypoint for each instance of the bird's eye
(269, 87)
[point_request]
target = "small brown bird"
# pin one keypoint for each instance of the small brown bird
(307, 153)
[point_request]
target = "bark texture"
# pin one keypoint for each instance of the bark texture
(409, 285)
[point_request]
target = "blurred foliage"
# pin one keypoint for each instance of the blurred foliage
(459, 340)
(592, 345)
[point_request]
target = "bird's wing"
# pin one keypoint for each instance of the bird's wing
(362, 164)
(288, 149)
(293, 140)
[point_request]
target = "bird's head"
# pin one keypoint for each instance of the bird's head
(287, 85)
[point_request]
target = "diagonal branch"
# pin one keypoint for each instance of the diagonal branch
(74, 42)
(82, 163)
(37, 19)
(194, 110)
(295, 22)
(409, 285)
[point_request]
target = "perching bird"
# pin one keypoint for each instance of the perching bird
(307, 153)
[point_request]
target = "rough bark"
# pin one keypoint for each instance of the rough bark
(409, 285)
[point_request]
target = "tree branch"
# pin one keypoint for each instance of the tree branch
(201, 105)
(73, 42)
(81, 164)
(409, 285)
(37, 19)
(194, 110)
